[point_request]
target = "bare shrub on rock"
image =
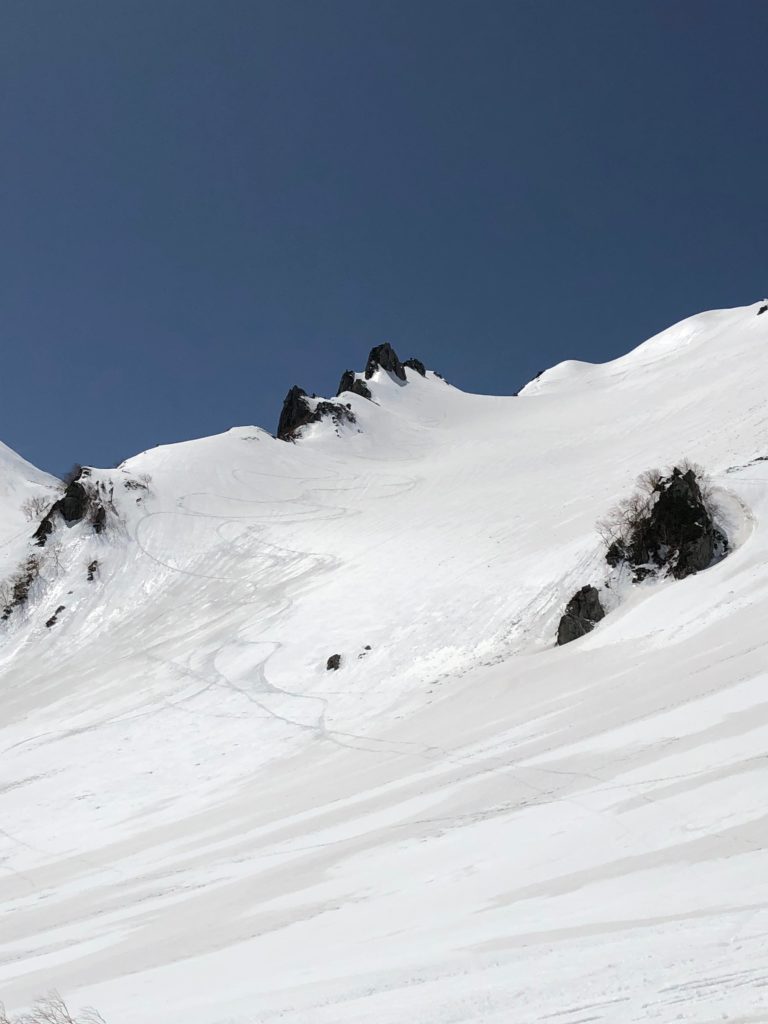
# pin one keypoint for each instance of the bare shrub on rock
(668, 522)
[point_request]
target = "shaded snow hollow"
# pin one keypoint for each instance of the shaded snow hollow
(200, 824)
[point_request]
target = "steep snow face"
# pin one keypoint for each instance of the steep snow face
(201, 824)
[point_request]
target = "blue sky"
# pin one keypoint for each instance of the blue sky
(203, 203)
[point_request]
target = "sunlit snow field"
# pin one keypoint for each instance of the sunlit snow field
(199, 824)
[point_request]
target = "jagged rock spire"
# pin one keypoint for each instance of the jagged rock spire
(295, 413)
(384, 356)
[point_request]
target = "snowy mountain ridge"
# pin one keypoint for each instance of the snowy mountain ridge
(202, 824)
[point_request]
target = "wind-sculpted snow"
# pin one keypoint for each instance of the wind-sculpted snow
(200, 824)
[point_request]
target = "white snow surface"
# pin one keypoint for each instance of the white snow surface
(199, 824)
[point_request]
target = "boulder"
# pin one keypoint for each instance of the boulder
(334, 663)
(581, 614)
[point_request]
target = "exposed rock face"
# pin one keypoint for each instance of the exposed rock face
(77, 502)
(21, 583)
(762, 310)
(581, 614)
(349, 382)
(417, 365)
(54, 618)
(678, 533)
(334, 663)
(337, 411)
(297, 412)
(74, 503)
(384, 356)
(44, 530)
(98, 518)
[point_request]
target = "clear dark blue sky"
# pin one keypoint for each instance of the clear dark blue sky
(203, 203)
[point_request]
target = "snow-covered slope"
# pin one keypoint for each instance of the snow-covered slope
(24, 492)
(19, 482)
(201, 824)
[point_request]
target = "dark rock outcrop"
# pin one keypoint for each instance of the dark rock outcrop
(98, 518)
(44, 530)
(384, 356)
(297, 413)
(337, 411)
(582, 612)
(54, 618)
(73, 506)
(762, 310)
(677, 533)
(349, 382)
(77, 502)
(666, 528)
(21, 584)
(334, 663)
(417, 365)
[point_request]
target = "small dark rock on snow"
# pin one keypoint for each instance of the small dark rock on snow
(762, 310)
(52, 621)
(333, 663)
(582, 612)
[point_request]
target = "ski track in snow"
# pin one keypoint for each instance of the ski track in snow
(199, 824)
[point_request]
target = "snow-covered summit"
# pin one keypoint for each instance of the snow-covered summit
(203, 823)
